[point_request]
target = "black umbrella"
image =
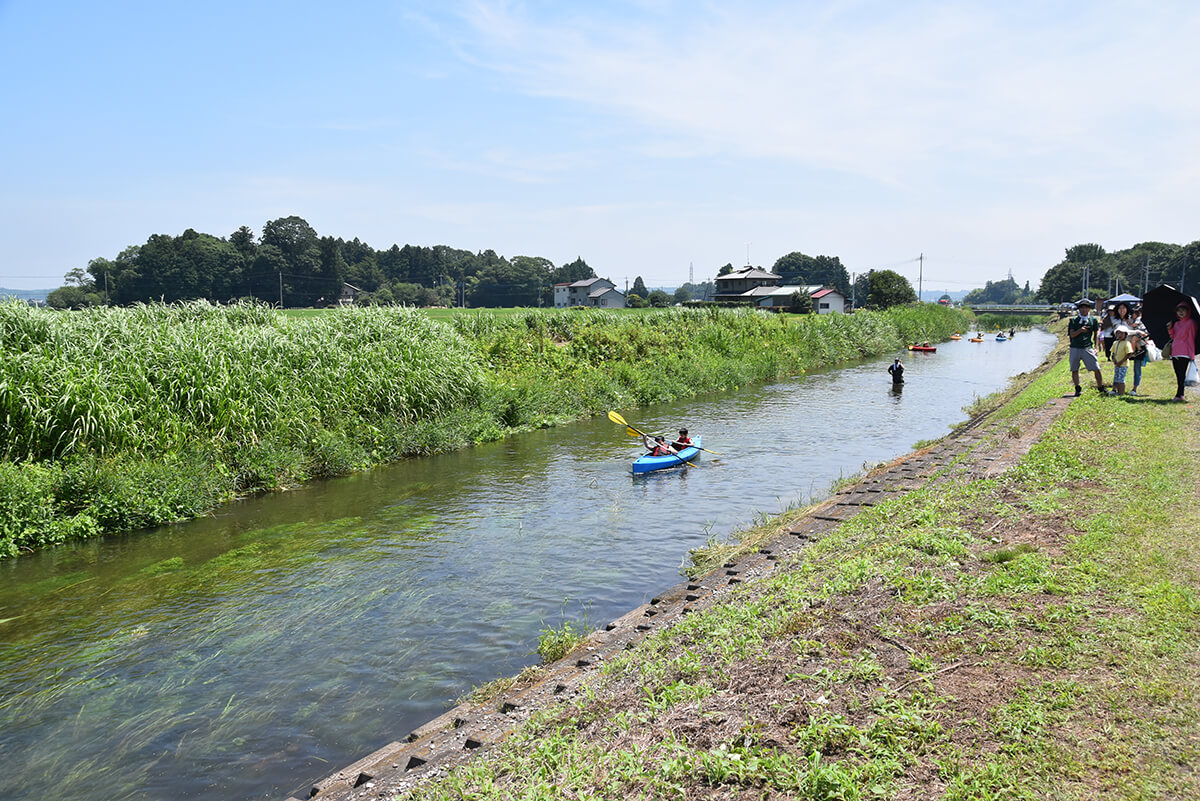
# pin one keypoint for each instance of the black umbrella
(1158, 309)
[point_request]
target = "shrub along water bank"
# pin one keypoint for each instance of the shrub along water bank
(117, 419)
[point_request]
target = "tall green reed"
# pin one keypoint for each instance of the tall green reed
(97, 406)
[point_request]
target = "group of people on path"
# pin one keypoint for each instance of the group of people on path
(1123, 338)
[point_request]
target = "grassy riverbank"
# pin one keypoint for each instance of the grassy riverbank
(1030, 636)
(124, 418)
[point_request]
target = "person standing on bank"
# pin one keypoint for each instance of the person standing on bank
(897, 371)
(1183, 345)
(1120, 354)
(1082, 331)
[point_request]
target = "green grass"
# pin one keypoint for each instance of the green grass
(1030, 636)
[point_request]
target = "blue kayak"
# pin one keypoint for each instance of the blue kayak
(647, 463)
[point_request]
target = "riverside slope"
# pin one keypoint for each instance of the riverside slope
(961, 623)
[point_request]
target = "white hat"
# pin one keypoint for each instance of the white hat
(1124, 329)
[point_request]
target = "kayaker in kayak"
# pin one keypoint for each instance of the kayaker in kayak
(659, 447)
(682, 441)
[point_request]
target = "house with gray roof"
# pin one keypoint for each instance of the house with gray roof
(598, 292)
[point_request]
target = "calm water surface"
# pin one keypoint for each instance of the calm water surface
(248, 654)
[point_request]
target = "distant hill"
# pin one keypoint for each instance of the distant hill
(25, 294)
(933, 295)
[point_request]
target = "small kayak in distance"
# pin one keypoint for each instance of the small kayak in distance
(955, 337)
(647, 463)
(1001, 338)
(976, 339)
(923, 348)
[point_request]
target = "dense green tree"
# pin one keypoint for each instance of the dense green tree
(1085, 253)
(1143, 266)
(639, 288)
(635, 301)
(393, 263)
(307, 269)
(726, 270)
(683, 294)
(659, 299)
(504, 283)
(366, 275)
(1005, 292)
(243, 240)
(415, 295)
(571, 272)
(797, 268)
(331, 275)
(800, 303)
(888, 288)
(355, 252)
(73, 297)
(702, 291)
(216, 265)
(264, 278)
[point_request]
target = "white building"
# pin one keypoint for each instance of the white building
(825, 300)
(599, 292)
(828, 301)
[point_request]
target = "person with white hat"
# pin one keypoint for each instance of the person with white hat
(1082, 330)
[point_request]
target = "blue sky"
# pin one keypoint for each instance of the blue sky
(642, 135)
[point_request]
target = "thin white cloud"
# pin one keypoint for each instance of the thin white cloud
(881, 90)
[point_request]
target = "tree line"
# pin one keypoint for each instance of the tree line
(291, 265)
(1133, 270)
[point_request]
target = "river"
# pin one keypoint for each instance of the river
(248, 654)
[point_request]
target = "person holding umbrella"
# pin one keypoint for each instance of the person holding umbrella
(1183, 345)
(1082, 331)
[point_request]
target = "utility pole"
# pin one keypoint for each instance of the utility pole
(920, 276)
(1146, 276)
(691, 274)
(281, 289)
(105, 287)
(1183, 270)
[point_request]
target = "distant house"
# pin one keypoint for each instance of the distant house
(828, 301)
(734, 286)
(598, 292)
(349, 294)
(763, 290)
(775, 297)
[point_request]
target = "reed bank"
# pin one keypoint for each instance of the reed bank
(124, 418)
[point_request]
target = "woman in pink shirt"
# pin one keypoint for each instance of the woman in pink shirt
(1183, 344)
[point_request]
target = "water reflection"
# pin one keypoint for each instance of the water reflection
(242, 655)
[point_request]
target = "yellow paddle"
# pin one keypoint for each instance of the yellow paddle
(619, 420)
